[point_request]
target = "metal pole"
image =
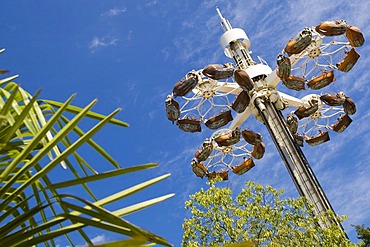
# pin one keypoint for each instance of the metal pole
(295, 162)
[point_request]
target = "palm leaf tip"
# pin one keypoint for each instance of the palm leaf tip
(141, 205)
(103, 175)
(8, 79)
(90, 114)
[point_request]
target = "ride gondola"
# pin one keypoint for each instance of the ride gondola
(198, 169)
(206, 150)
(188, 124)
(258, 151)
(245, 166)
(321, 137)
(294, 82)
(321, 81)
(241, 102)
(172, 109)
(228, 138)
(333, 99)
(305, 111)
(343, 122)
(219, 120)
(355, 36)
(223, 174)
(185, 85)
(218, 71)
(252, 137)
(349, 60)
(292, 124)
(332, 28)
(244, 81)
(283, 66)
(349, 106)
(299, 42)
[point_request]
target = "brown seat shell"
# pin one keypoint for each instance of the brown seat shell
(241, 102)
(220, 120)
(321, 81)
(355, 36)
(318, 139)
(342, 124)
(243, 167)
(332, 28)
(189, 125)
(294, 82)
(218, 71)
(349, 61)
(242, 78)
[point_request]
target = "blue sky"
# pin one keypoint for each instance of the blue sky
(129, 54)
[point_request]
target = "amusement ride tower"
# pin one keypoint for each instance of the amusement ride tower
(308, 60)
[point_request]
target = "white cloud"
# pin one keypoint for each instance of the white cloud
(97, 42)
(99, 239)
(151, 3)
(129, 35)
(166, 53)
(114, 12)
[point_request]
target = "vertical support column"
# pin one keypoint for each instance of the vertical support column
(295, 161)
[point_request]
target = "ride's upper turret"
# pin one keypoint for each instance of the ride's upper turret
(235, 43)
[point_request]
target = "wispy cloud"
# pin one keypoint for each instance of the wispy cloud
(97, 43)
(129, 35)
(151, 3)
(165, 53)
(114, 12)
(99, 239)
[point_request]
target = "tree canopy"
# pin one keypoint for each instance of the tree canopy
(363, 233)
(257, 214)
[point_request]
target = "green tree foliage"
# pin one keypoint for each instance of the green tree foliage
(39, 137)
(256, 214)
(363, 233)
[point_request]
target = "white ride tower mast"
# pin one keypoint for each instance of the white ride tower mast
(266, 103)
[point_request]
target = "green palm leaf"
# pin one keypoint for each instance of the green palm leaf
(94, 115)
(34, 141)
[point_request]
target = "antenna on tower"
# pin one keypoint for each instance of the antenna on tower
(224, 22)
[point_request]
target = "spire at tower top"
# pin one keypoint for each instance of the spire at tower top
(224, 22)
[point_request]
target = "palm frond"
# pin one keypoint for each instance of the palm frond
(36, 136)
